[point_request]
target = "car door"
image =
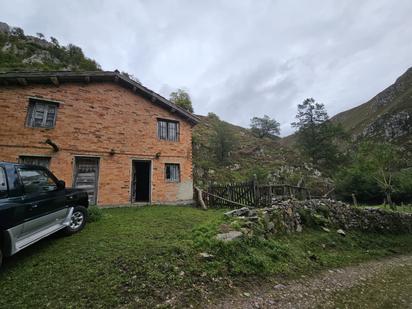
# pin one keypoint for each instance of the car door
(45, 204)
(11, 207)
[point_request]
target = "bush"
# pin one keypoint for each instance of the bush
(94, 214)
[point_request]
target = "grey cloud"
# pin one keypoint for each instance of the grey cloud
(238, 59)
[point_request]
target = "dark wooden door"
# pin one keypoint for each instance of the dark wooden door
(86, 175)
(141, 181)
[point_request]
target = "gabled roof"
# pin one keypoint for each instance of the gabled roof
(57, 77)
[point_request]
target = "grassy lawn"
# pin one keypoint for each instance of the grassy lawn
(142, 257)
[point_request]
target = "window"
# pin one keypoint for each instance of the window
(34, 160)
(3, 183)
(36, 180)
(42, 114)
(168, 130)
(173, 172)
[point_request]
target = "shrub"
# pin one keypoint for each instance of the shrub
(94, 214)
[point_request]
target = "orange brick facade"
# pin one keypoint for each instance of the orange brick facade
(92, 120)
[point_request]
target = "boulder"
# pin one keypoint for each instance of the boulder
(206, 256)
(341, 232)
(232, 235)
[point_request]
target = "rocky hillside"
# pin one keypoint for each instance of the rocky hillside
(386, 116)
(25, 52)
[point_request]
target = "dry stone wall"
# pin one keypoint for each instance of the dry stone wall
(293, 216)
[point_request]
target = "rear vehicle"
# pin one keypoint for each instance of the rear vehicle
(35, 204)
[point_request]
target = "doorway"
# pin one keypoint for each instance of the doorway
(141, 181)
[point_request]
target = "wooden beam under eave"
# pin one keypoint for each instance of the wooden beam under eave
(134, 88)
(153, 99)
(87, 79)
(54, 80)
(22, 81)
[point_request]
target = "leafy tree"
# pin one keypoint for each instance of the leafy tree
(17, 32)
(383, 160)
(264, 127)
(40, 35)
(223, 140)
(182, 98)
(54, 41)
(372, 172)
(317, 136)
(403, 185)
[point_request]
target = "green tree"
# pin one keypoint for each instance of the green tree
(17, 32)
(403, 185)
(317, 136)
(222, 141)
(372, 172)
(384, 162)
(182, 98)
(264, 127)
(54, 41)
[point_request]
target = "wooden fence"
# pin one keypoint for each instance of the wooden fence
(230, 195)
(250, 193)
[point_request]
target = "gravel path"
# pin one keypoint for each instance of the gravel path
(370, 283)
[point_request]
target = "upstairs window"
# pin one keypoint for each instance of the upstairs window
(41, 114)
(172, 172)
(168, 130)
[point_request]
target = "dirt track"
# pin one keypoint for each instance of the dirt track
(385, 284)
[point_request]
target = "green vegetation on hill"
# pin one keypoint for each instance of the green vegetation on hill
(245, 153)
(20, 52)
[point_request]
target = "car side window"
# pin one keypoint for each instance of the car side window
(36, 180)
(3, 184)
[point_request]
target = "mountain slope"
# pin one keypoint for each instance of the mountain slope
(386, 116)
(20, 52)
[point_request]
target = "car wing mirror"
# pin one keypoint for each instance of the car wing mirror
(61, 184)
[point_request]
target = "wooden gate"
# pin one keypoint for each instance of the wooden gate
(236, 195)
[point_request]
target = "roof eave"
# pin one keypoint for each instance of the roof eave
(57, 77)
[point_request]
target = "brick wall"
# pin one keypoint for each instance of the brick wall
(93, 119)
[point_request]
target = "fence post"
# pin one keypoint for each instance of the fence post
(200, 198)
(255, 191)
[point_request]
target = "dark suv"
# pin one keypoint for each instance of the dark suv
(35, 204)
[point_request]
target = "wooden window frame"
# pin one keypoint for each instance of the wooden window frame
(48, 105)
(22, 157)
(178, 179)
(165, 126)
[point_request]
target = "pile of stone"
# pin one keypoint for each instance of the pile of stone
(293, 215)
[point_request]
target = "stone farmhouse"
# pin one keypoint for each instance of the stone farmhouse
(100, 131)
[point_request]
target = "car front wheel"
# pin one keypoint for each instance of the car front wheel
(77, 220)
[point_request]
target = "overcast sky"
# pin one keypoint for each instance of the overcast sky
(237, 58)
